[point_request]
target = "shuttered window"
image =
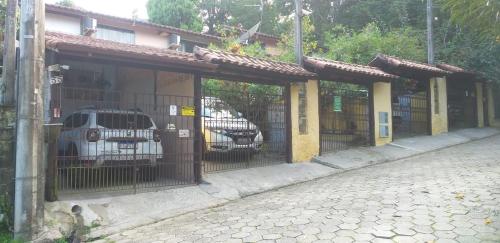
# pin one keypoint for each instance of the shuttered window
(115, 34)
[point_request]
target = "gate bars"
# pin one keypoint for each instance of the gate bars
(344, 117)
(115, 141)
(243, 127)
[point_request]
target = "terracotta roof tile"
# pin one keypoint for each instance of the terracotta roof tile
(402, 63)
(454, 69)
(325, 65)
(220, 57)
(68, 42)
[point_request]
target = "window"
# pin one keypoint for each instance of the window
(123, 121)
(187, 46)
(383, 124)
(436, 97)
(303, 109)
(115, 34)
(76, 120)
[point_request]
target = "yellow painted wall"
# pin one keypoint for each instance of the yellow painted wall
(382, 103)
(439, 119)
(306, 146)
(491, 106)
(480, 105)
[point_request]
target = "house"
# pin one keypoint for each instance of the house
(76, 21)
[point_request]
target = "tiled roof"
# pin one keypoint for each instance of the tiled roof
(402, 63)
(68, 42)
(83, 12)
(220, 57)
(454, 69)
(333, 66)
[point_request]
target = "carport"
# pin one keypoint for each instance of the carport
(419, 103)
(123, 117)
(462, 97)
(246, 120)
(354, 104)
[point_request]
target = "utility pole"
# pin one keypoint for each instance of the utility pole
(298, 32)
(7, 83)
(430, 43)
(28, 208)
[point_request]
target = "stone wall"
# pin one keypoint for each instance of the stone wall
(7, 164)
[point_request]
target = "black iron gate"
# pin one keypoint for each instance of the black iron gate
(243, 125)
(410, 108)
(344, 117)
(461, 105)
(115, 141)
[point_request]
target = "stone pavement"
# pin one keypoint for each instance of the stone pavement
(451, 195)
(401, 148)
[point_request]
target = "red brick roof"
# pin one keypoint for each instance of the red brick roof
(323, 65)
(235, 60)
(382, 60)
(454, 69)
(83, 12)
(78, 43)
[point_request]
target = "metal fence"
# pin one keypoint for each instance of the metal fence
(461, 106)
(344, 118)
(410, 115)
(242, 127)
(115, 141)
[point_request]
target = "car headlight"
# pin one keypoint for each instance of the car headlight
(219, 131)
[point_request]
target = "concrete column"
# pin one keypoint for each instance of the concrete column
(382, 106)
(491, 105)
(480, 105)
(439, 106)
(305, 146)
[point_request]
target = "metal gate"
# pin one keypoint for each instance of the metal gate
(344, 117)
(115, 141)
(410, 108)
(243, 125)
(461, 105)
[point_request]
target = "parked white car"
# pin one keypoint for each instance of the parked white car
(226, 130)
(106, 137)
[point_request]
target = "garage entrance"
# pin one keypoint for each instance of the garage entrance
(410, 108)
(246, 117)
(462, 105)
(243, 125)
(344, 116)
(114, 141)
(118, 134)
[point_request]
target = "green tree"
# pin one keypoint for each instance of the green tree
(361, 47)
(178, 13)
(215, 13)
(66, 3)
(247, 13)
(481, 16)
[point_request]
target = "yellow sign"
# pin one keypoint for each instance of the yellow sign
(187, 111)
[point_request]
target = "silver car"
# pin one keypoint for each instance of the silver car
(105, 137)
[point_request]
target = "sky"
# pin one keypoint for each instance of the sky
(120, 8)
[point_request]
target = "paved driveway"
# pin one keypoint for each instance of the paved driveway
(451, 195)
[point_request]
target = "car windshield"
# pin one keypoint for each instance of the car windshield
(212, 112)
(124, 121)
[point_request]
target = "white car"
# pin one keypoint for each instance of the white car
(96, 138)
(225, 130)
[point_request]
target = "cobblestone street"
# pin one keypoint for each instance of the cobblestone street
(452, 195)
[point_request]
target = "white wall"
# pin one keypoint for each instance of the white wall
(63, 24)
(150, 38)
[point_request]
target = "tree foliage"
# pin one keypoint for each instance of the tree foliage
(178, 13)
(361, 47)
(481, 16)
(66, 3)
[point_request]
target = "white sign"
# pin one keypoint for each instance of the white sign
(184, 133)
(173, 110)
(170, 126)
